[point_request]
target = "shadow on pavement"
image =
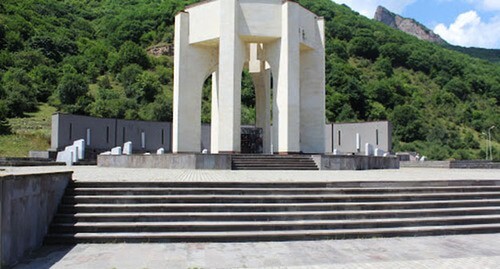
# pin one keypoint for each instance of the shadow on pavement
(45, 257)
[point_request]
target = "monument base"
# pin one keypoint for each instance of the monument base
(224, 161)
(168, 161)
(355, 162)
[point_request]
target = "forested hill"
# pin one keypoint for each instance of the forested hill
(89, 57)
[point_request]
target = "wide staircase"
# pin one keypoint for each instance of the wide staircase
(273, 162)
(112, 212)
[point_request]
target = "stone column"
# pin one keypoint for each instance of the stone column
(192, 65)
(214, 126)
(288, 88)
(261, 77)
(312, 95)
(231, 59)
(187, 112)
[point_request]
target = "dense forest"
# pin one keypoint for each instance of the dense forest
(90, 57)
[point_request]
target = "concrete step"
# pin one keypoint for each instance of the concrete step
(272, 191)
(269, 156)
(278, 198)
(314, 183)
(273, 162)
(272, 207)
(266, 216)
(268, 163)
(261, 168)
(195, 226)
(105, 212)
(263, 161)
(249, 236)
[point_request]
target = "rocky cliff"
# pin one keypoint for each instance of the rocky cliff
(409, 26)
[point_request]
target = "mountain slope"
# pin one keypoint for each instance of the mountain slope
(89, 57)
(414, 28)
(409, 26)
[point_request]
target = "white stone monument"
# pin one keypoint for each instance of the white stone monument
(379, 152)
(272, 38)
(368, 149)
(116, 151)
(80, 149)
(127, 148)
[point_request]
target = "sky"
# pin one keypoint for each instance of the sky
(467, 23)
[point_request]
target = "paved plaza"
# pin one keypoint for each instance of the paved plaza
(94, 173)
(454, 251)
(460, 251)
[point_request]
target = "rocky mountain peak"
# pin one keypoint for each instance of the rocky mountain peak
(409, 26)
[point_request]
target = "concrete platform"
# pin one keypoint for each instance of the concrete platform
(95, 173)
(459, 251)
(225, 161)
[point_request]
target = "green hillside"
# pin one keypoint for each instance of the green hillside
(89, 57)
(492, 55)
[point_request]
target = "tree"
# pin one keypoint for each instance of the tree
(130, 53)
(4, 124)
(71, 87)
(146, 87)
(408, 123)
(363, 46)
(129, 74)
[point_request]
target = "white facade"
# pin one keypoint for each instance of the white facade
(272, 38)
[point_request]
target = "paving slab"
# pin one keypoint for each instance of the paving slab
(95, 173)
(457, 251)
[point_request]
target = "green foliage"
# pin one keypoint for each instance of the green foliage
(409, 123)
(4, 124)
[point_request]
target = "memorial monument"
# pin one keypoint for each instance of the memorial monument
(282, 45)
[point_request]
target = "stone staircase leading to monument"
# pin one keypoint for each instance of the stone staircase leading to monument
(273, 162)
(111, 212)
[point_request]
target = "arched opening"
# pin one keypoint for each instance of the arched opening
(206, 115)
(247, 99)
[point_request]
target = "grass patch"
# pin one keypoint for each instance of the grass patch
(29, 133)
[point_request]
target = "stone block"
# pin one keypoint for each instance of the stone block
(79, 149)
(116, 151)
(368, 149)
(127, 148)
(68, 155)
(64, 157)
(379, 152)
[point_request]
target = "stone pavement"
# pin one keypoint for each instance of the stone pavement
(94, 173)
(458, 251)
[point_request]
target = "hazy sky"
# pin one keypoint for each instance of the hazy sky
(469, 23)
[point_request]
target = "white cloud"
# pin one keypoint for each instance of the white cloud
(470, 31)
(491, 5)
(368, 7)
(485, 5)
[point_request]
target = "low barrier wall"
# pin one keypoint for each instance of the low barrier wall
(453, 164)
(475, 165)
(426, 164)
(27, 205)
(167, 161)
(27, 162)
(355, 162)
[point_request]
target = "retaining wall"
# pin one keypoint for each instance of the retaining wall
(453, 164)
(168, 161)
(27, 205)
(355, 162)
